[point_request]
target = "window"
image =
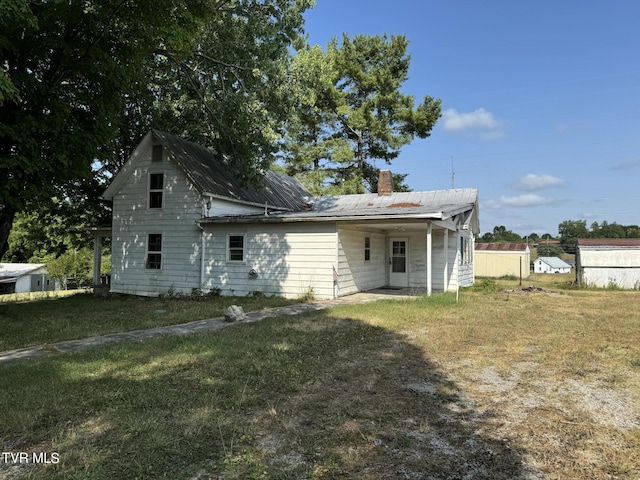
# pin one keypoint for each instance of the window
(235, 250)
(154, 251)
(367, 249)
(465, 251)
(156, 153)
(156, 188)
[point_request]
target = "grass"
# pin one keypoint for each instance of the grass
(497, 386)
(52, 319)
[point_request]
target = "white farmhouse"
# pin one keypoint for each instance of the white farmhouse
(608, 262)
(551, 265)
(182, 222)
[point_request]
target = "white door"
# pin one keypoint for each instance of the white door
(398, 262)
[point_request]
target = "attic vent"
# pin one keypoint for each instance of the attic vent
(156, 154)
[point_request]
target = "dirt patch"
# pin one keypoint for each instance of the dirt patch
(530, 289)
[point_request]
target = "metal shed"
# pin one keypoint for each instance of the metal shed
(500, 259)
(608, 262)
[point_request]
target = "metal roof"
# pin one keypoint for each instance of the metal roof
(13, 271)
(609, 242)
(554, 262)
(502, 247)
(435, 205)
(210, 175)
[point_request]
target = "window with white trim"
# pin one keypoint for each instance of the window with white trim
(465, 251)
(154, 252)
(235, 248)
(367, 249)
(156, 190)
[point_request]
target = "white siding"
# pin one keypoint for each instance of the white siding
(225, 207)
(356, 274)
(290, 259)
(418, 259)
(465, 263)
(133, 221)
(610, 267)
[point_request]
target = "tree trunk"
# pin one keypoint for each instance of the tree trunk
(6, 222)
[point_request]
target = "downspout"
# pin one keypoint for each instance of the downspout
(207, 209)
(429, 258)
(202, 243)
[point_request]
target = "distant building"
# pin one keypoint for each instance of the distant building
(551, 265)
(607, 262)
(25, 278)
(501, 259)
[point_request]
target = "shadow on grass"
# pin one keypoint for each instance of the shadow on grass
(308, 396)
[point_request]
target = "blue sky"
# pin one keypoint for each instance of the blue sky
(540, 100)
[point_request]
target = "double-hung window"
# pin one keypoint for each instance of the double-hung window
(367, 249)
(235, 248)
(156, 189)
(154, 251)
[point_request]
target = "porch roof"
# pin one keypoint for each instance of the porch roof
(431, 205)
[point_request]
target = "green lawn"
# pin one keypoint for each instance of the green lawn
(503, 384)
(50, 320)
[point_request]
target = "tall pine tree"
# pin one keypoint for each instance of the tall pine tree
(354, 113)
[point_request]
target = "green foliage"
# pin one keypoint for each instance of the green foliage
(571, 230)
(352, 113)
(74, 266)
(82, 82)
(545, 250)
(501, 235)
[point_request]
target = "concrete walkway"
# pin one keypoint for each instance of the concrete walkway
(11, 356)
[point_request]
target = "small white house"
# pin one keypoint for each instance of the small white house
(607, 262)
(25, 278)
(551, 265)
(182, 222)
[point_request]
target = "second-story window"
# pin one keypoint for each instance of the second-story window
(156, 189)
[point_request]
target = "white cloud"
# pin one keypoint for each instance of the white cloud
(532, 181)
(480, 119)
(526, 200)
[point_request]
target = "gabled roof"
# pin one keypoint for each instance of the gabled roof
(209, 174)
(609, 242)
(554, 262)
(430, 205)
(502, 247)
(10, 272)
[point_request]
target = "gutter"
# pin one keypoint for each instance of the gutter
(334, 218)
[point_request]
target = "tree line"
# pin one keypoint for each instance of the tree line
(569, 231)
(82, 82)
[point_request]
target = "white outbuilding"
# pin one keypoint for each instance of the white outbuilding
(25, 278)
(551, 265)
(608, 262)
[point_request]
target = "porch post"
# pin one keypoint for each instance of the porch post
(445, 282)
(429, 257)
(97, 257)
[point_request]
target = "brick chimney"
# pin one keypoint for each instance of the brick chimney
(385, 183)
